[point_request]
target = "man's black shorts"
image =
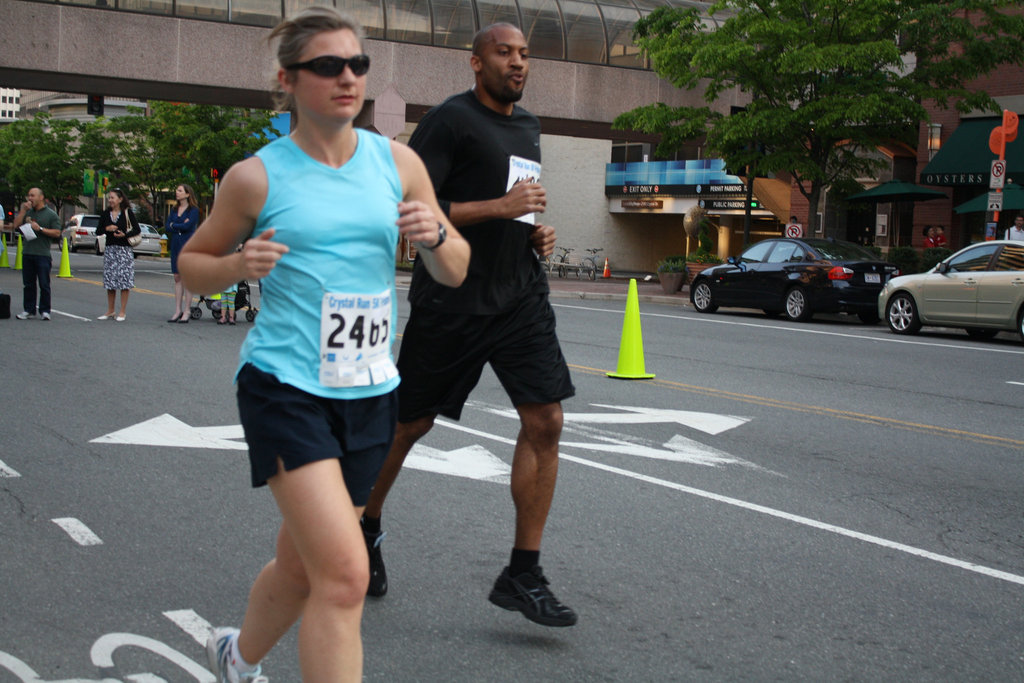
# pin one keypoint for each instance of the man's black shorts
(286, 423)
(443, 354)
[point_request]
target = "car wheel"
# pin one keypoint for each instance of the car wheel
(703, 299)
(1020, 323)
(868, 317)
(797, 308)
(980, 332)
(901, 314)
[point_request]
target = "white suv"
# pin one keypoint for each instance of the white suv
(81, 232)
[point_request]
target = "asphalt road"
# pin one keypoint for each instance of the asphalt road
(822, 501)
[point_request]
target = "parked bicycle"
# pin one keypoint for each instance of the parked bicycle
(591, 265)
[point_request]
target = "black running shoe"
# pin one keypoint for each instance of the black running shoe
(378, 576)
(529, 594)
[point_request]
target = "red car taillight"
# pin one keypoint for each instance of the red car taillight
(840, 273)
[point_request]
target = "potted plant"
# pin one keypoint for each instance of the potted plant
(672, 273)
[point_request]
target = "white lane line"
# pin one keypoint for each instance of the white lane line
(191, 623)
(890, 339)
(753, 507)
(7, 472)
(79, 532)
(1020, 384)
(71, 315)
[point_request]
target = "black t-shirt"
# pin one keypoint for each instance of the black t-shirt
(467, 149)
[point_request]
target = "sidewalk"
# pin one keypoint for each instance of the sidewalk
(613, 288)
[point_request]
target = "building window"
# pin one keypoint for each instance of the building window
(630, 152)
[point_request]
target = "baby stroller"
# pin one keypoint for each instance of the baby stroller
(247, 297)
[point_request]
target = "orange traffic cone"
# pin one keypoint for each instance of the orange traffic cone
(607, 270)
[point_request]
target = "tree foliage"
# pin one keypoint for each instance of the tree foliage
(146, 155)
(179, 143)
(827, 79)
(40, 152)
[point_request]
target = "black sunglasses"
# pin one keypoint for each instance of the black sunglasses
(330, 66)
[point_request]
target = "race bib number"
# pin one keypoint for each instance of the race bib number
(355, 340)
(522, 170)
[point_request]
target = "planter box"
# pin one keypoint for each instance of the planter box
(693, 268)
(671, 282)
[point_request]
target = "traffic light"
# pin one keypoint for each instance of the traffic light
(216, 174)
(95, 105)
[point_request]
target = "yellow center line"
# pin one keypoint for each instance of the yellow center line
(827, 412)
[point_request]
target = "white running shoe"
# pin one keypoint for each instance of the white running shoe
(45, 316)
(218, 654)
(25, 315)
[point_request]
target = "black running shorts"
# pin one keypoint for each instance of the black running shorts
(443, 354)
(281, 421)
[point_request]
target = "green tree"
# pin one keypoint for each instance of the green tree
(194, 138)
(178, 143)
(40, 152)
(827, 80)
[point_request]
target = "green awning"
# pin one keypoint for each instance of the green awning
(965, 158)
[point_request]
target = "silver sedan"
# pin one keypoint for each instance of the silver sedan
(979, 288)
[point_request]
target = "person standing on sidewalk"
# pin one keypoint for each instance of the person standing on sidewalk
(36, 257)
(316, 381)
(483, 155)
(1017, 231)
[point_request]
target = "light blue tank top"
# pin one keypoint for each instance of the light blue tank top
(339, 225)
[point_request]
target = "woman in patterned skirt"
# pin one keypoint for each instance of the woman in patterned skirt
(117, 223)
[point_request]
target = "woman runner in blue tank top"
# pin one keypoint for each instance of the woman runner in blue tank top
(319, 214)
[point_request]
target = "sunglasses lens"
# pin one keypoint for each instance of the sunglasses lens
(359, 64)
(327, 66)
(331, 66)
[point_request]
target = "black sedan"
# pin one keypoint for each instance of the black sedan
(798, 277)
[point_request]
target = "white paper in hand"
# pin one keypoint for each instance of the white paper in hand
(28, 232)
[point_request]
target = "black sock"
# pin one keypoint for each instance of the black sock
(522, 561)
(371, 525)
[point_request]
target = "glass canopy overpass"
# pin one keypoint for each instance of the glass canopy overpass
(587, 31)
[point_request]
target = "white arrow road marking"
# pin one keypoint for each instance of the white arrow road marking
(472, 462)
(680, 448)
(677, 449)
(79, 532)
(166, 430)
(192, 624)
(6, 471)
(709, 423)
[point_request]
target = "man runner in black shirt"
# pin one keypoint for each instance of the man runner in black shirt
(483, 155)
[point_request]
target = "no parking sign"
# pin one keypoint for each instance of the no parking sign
(794, 230)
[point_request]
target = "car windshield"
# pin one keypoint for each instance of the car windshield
(148, 230)
(841, 251)
(89, 221)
